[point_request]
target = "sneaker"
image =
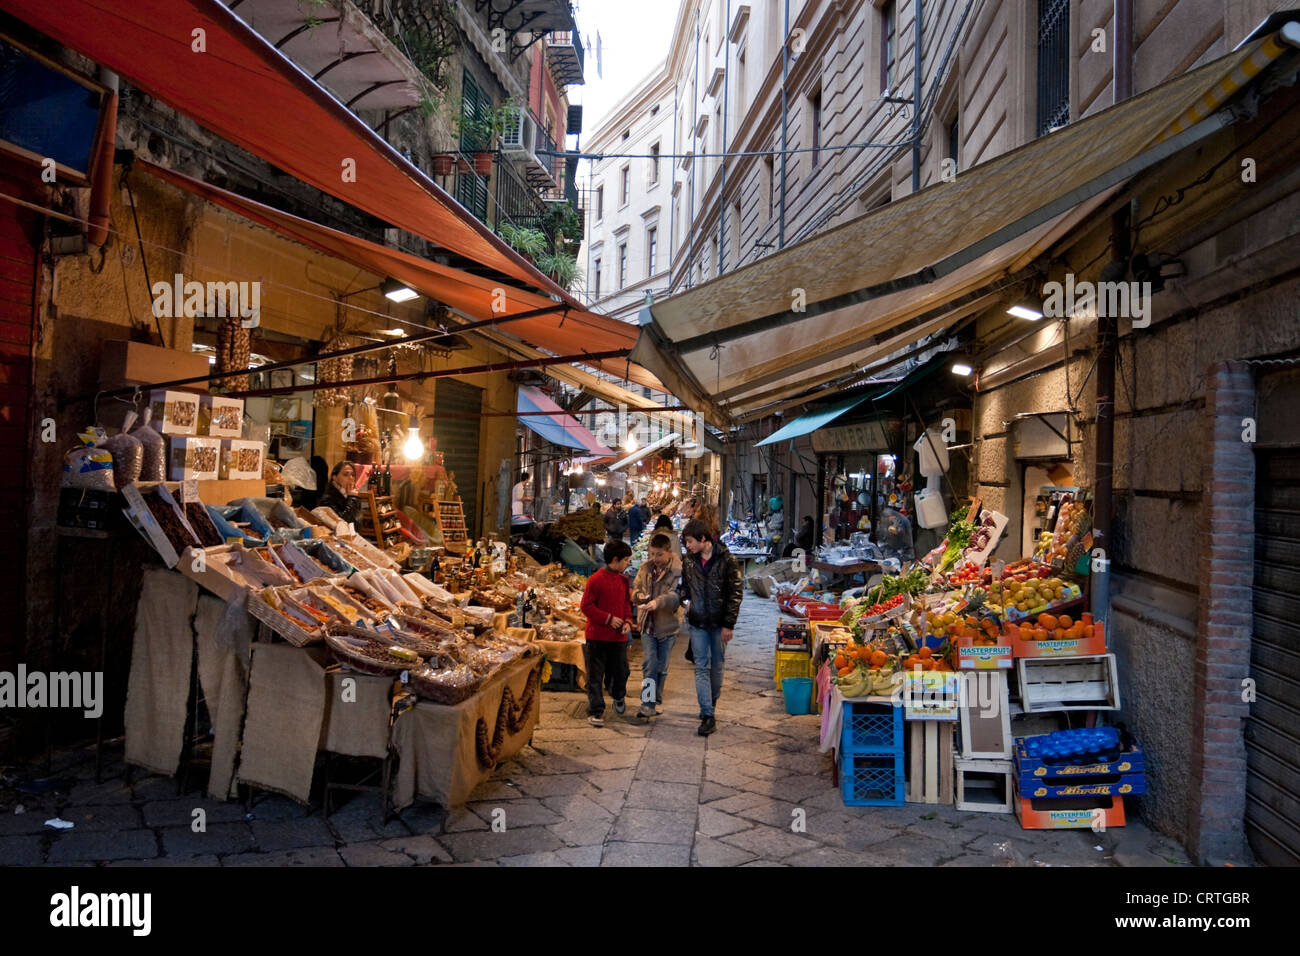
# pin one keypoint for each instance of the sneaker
(596, 721)
(620, 706)
(647, 710)
(707, 726)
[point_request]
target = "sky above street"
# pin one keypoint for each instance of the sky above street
(634, 38)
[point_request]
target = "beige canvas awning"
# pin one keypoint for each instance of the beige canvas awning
(741, 341)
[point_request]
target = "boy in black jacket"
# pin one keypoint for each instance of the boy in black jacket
(711, 591)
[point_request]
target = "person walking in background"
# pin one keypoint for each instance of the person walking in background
(635, 523)
(654, 594)
(711, 591)
(519, 500)
(615, 521)
(606, 602)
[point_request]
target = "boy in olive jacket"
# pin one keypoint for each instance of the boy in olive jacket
(654, 595)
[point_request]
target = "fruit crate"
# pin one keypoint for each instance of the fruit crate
(985, 786)
(791, 664)
(1077, 647)
(974, 657)
(871, 780)
(1071, 813)
(1113, 785)
(1031, 769)
(1090, 682)
(794, 633)
(871, 729)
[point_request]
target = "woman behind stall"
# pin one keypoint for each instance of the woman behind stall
(339, 497)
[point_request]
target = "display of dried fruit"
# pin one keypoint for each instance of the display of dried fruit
(201, 522)
(171, 525)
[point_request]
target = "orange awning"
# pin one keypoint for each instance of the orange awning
(578, 331)
(244, 90)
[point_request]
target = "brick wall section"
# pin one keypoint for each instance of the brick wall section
(1224, 623)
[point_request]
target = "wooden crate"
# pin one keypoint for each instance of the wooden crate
(929, 760)
(985, 716)
(1069, 683)
(985, 786)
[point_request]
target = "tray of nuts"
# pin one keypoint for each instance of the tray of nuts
(371, 652)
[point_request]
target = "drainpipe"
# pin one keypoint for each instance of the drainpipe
(695, 106)
(101, 187)
(1123, 45)
(785, 74)
(672, 201)
(1104, 457)
(916, 106)
(726, 100)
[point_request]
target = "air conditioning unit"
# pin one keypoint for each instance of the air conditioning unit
(520, 134)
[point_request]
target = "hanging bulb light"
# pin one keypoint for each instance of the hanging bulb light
(630, 443)
(414, 447)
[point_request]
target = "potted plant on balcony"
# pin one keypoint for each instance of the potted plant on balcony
(442, 164)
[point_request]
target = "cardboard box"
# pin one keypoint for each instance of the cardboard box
(134, 363)
(241, 460)
(221, 417)
(1069, 813)
(972, 657)
(193, 457)
(1063, 648)
(175, 413)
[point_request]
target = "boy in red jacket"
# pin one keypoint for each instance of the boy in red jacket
(607, 604)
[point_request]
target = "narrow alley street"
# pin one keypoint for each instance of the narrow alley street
(623, 794)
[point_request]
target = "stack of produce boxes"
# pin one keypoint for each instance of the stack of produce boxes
(1076, 779)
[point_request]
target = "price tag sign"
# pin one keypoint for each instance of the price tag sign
(189, 490)
(931, 695)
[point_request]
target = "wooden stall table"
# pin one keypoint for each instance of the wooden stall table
(444, 752)
(836, 570)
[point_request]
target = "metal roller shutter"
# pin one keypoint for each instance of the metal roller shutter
(458, 440)
(1273, 729)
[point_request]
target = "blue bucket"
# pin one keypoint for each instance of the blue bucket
(798, 693)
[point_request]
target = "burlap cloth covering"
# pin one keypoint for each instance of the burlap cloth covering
(162, 653)
(286, 712)
(224, 633)
(357, 715)
(439, 746)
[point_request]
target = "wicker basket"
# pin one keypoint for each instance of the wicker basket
(348, 654)
(421, 681)
(285, 626)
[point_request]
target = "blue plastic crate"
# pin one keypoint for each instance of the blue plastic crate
(871, 780)
(871, 728)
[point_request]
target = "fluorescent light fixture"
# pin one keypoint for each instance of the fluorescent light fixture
(1025, 312)
(961, 368)
(397, 291)
(395, 332)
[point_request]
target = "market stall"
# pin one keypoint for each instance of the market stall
(960, 681)
(302, 634)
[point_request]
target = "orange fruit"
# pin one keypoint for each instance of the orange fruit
(845, 671)
(925, 653)
(1064, 620)
(841, 661)
(878, 658)
(1047, 621)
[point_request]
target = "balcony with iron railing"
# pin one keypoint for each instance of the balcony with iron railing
(565, 57)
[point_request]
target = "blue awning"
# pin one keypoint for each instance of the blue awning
(556, 426)
(812, 421)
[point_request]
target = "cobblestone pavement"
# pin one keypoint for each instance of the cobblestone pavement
(627, 794)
